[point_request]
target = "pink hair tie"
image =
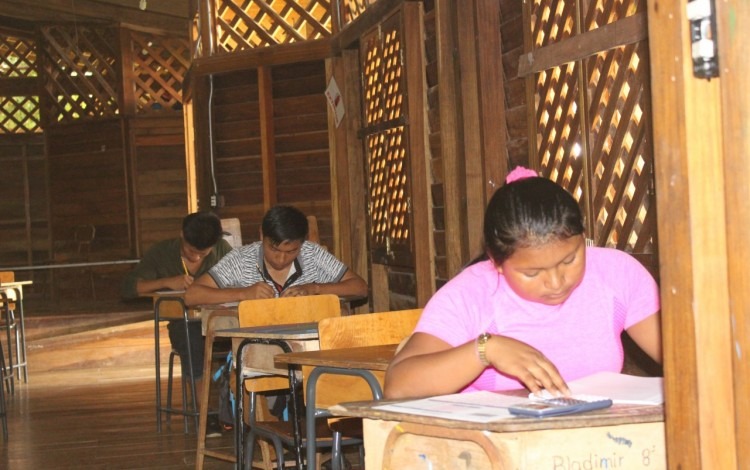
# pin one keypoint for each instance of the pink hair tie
(520, 173)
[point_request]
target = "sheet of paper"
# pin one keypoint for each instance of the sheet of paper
(621, 388)
(479, 407)
(484, 407)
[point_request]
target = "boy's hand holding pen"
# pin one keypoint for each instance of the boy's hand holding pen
(186, 278)
(264, 289)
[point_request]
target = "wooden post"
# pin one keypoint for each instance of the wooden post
(735, 119)
(697, 327)
(267, 136)
(424, 264)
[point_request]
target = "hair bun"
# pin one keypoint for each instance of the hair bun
(520, 173)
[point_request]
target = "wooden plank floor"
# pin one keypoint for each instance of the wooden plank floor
(90, 401)
(100, 418)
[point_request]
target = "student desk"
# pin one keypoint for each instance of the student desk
(367, 362)
(20, 362)
(174, 309)
(286, 337)
(621, 437)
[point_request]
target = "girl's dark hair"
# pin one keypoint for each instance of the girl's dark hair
(201, 229)
(284, 223)
(529, 212)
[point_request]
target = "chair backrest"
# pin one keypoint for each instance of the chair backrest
(367, 329)
(281, 311)
(232, 231)
(287, 310)
(8, 276)
(312, 229)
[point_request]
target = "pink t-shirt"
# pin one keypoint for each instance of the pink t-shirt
(580, 336)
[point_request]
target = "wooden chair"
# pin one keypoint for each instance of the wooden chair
(269, 312)
(173, 309)
(3, 405)
(353, 331)
(13, 341)
(341, 332)
(232, 231)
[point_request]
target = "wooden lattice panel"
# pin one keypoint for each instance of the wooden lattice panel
(17, 57)
(551, 21)
(602, 156)
(159, 67)
(81, 78)
(372, 83)
(196, 46)
(601, 12)
(246, 24)
(559, 141)
(352, 9)
(19, 114)
(386, 138)
(388, 188)
(621, 155)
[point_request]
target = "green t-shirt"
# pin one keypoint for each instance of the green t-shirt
(165, 260)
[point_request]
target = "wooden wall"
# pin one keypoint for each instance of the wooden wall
(159, 180)
(23, 200)
(88, 183)
(80, 148)
(270, 129)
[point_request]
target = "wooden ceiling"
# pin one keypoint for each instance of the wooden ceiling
(156, 15)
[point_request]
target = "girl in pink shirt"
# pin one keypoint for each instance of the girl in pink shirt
(541, 310)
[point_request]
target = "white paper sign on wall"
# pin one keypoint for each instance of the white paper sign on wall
(333, 95)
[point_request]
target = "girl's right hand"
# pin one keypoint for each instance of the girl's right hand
(527, 364)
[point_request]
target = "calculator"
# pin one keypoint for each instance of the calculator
(541, 408)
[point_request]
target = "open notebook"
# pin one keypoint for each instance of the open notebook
(483, 407)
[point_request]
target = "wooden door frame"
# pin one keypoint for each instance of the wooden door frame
(702, 162)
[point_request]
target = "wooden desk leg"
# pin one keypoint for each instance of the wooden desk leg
(157, 367)
(203, 413)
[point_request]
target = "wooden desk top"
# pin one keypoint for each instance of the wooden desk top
(297, 331)
(366, 358)
(616, 415)
(11, 285)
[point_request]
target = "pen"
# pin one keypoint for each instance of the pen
(260, 271)
(184, 266)
(265, 279)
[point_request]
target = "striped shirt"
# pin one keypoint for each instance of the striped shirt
(242, 267)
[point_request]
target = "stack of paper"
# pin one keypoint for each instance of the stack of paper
(483, 407)
(621, 388)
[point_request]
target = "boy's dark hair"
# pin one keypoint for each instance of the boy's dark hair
(284, 223)
(529, 212)
(201, 229)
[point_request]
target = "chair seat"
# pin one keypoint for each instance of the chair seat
(350, 428)
(281, 434)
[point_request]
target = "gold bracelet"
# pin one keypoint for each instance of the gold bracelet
(481, 345)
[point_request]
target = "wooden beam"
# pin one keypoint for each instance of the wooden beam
(494, 124)
(160, 16)
(20, 86)
(348, 184)
(626, 31)
(735, 118)
(459, 113)
(254, 58)
(351, 33)
(267, 136)
(697, 326)
(423, 242)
